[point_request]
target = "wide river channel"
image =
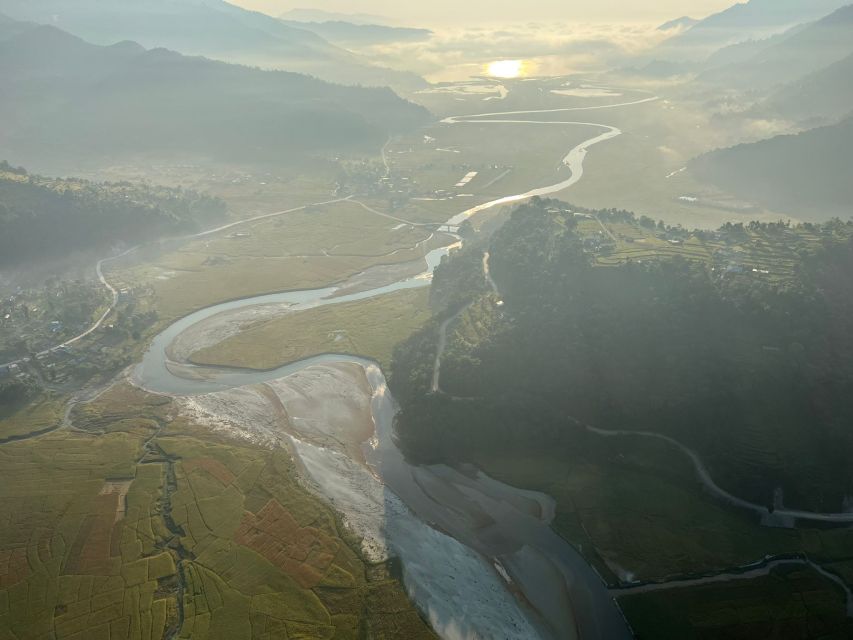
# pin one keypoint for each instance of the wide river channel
(479, 557)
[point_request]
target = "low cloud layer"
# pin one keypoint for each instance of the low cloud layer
(550, 48)
(451, 12)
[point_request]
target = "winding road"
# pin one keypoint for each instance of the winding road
(445, 325)
(755, 570)
(778, 515)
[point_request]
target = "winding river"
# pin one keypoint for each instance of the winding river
(479, 557)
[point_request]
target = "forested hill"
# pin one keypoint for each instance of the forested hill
(52, 218)
(807, 175)
(754, 371)
(64, 98)
(796, 101)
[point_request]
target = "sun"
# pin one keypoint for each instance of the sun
(505, 68)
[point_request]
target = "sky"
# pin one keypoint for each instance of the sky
(442, 12)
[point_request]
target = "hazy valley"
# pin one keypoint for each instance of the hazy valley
(322, 324)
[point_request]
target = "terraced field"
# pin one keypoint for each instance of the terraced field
(771, 254)
(132, 526)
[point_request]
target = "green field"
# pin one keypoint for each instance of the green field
(369, 328)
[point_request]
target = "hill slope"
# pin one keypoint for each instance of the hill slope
(793, 56)
(66, 98)
(807, 174)
(744, 21)
(212, 28)
(684, 22)
(348, 33)
(820, 97)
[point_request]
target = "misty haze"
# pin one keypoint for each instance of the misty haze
(374, 320)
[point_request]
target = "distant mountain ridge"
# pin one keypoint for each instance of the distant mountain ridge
(212, 28)
(805, 76)
(792, 56)
(341, 32)
(303, 14)
(67, 99)
(684, 22)
(748, 20)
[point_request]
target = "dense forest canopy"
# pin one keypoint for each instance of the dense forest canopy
(757, 375)
(51, 218)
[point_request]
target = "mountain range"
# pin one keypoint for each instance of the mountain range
(66, 100)
(788, 57)
(349, 33)
(754, 19)
(303, 14)
(211, 28)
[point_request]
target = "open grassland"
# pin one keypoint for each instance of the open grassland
(139, 524)
(791, 602)
(340, 229)
(637, 511)
(508, 158)
(369, 328)
(305, 249)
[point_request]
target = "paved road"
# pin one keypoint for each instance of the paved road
(714, 489)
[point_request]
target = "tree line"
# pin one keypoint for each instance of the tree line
(49, 218)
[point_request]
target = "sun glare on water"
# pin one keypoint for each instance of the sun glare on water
(505, 68)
